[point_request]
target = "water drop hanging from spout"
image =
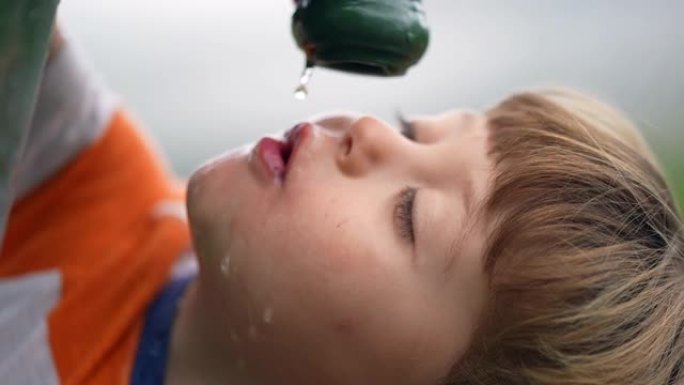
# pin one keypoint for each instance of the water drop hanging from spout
(302, 92)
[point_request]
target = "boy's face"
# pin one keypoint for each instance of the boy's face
(363, 264)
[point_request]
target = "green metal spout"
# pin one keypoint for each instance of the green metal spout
(369, 37)
(25, 27)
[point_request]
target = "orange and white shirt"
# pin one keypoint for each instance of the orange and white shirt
(96, 233)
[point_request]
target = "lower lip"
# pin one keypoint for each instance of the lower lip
(268, 153)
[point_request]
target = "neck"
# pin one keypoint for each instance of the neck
(198, 354)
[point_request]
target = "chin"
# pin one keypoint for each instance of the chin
(214, 185)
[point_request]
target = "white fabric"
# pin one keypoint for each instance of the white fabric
(73, 110)
(25, 354)
(170, 208)
(186, 266)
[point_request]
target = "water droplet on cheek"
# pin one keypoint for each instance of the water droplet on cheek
(234, 337)
(268, 315)
(225, 265)
(241, 365)
(253, 333)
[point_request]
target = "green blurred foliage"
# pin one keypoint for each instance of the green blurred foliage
(675, 173)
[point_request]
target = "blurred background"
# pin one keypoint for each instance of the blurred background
(207, 75)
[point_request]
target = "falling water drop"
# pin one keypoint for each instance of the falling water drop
(302, 92)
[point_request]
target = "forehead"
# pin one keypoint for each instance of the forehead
(469, 128)
(456, 118)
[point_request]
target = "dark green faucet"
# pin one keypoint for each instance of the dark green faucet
(25, 27)
(370, 37)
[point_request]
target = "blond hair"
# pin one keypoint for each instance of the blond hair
(585, 258)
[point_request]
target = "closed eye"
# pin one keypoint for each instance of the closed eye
(407, 128)
(403, 214)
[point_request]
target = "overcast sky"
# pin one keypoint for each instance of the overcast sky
(206, 75)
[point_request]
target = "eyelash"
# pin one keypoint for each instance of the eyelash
(403, 214)
(407, 128)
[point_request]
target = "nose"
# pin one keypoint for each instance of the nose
(367, 143)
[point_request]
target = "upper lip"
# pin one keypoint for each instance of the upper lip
(286, 148)
(293, 140)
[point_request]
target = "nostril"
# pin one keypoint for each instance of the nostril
(286, 152)
(347, 145)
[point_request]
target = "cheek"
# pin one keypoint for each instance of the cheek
(330, 232)
(305, 242)
(330, 243)
(307, 253)
(320, 275)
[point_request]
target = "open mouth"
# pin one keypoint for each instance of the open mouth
(277, 154)
(286, 152)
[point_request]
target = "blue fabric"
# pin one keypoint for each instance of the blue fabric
(149, 367)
